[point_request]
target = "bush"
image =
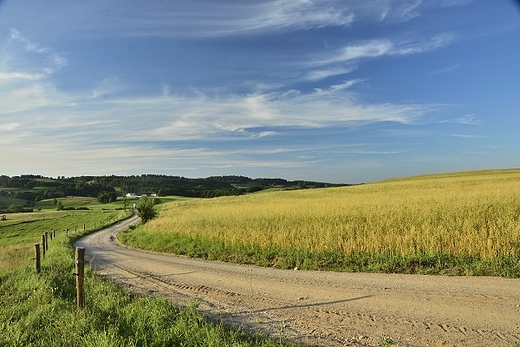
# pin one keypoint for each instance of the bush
(145, 209)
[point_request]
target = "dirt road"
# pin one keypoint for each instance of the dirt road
(322, 308)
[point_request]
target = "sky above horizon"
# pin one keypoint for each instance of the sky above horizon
(341, 91)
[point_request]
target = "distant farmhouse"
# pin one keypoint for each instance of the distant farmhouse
(136, 196)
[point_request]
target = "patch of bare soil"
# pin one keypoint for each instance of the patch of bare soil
(321, 308)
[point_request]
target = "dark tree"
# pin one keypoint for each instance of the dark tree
(106, 197)
(59, 206)
(145, 209)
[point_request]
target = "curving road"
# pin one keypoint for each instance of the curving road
(321, 308)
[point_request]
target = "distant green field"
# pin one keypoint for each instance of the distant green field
(81, 201)
(20, 231)
(465, 223)
(10, 201)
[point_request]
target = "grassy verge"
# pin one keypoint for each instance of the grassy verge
(304, 259)
(40, 310)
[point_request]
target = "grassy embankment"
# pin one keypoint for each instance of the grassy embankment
(454, 224)
(40, 310)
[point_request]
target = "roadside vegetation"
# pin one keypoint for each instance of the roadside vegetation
(452, 224)
(40, 309)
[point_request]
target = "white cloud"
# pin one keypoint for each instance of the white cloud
(75, 121)
(400, 11)
(25, 75)
(368, 49)
(54, 60)
(300, 14)
(466, 136)
(420, 46)
(8, 77)
(468, 119)
(447, 3)
(317, 75)
(444, 70)
(346, 84)
(225, 18)
(9, 126)
(107, 86)
(165, 90)
(382, 47)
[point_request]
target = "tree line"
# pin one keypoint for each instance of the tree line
(32, 188)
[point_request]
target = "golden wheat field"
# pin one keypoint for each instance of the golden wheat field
(470, 213)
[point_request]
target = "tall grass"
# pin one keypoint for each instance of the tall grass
(437, 221)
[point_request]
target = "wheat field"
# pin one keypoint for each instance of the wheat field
(473, 213)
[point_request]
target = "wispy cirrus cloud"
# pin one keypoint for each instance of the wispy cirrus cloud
(397, 11)
(54, 59)
(317, 75)
(347, 59)
(468, 119)
(76, 121)
(9, 126)
(299, 14)
(7, 77)
(209, 18)
(238, 116)
(444, 70)
(400, 11)
(382, 47)
(213, 19)
(25, 75)
(469, 136)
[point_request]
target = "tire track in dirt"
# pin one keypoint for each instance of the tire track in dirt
(321, 308)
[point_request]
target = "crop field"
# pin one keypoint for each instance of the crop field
(458, 224)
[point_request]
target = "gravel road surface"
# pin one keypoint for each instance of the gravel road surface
(320, 308)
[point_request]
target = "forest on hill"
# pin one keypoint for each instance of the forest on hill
(33, 188)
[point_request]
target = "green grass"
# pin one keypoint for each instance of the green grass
(21, 231)
(40, 310)
(6, 202)
(27, 227)
(79, 202)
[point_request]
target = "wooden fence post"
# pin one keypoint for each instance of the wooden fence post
(43, 244)
(80, 277)
(37, 262)
(46, 241)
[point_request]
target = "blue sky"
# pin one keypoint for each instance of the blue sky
(343, 91)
